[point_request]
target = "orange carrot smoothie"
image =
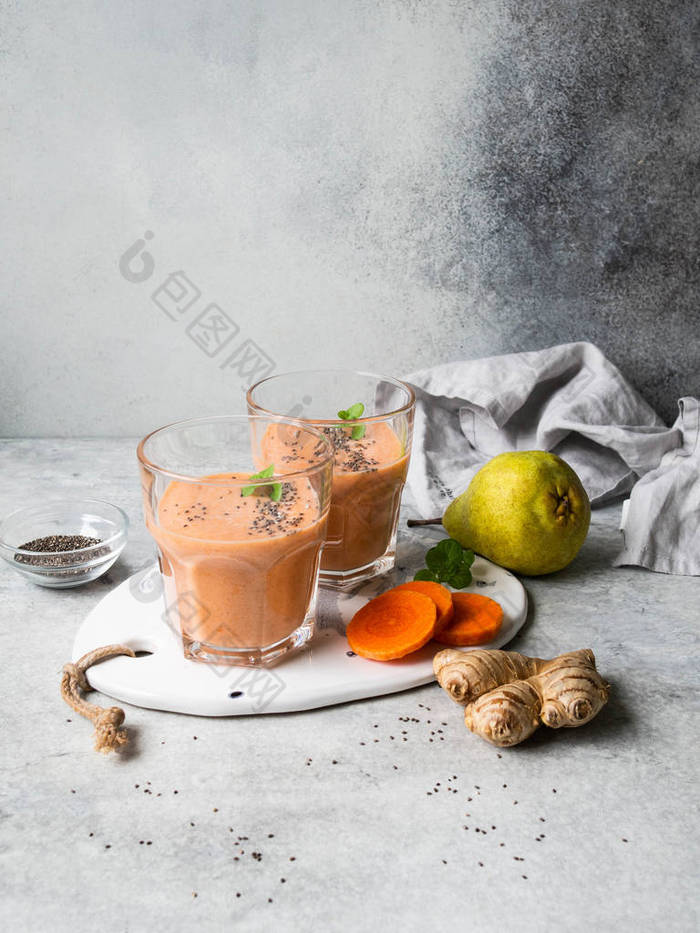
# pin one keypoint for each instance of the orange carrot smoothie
(368, 420)
(368, 476)
(242, 568)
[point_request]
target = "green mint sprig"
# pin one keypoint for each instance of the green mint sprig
(448, 562)
(275, 488)
(352, 414)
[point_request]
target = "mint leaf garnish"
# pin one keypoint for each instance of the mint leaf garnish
(275, 488)
(448, 562)
(352, 414)
(426, 575)
(433, 560)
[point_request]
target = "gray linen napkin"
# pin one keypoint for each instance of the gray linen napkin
(571, 400)
(661, 518)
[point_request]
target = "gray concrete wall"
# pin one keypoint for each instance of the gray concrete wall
(385, 185)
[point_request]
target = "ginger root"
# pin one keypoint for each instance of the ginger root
(506, 695)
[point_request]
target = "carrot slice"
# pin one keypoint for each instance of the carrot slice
(476, 621)
(439, 594)
(392, 625)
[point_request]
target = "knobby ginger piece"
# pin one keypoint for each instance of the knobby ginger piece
(507, 695)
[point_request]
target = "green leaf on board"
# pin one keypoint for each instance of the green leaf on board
(448, 562)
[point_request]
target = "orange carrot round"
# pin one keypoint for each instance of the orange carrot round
(392, 625)
(476, 621)
(439, 594)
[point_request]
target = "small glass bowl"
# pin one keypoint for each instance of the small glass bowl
(92, 518)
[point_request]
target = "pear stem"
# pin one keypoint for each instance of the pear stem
(412, 522)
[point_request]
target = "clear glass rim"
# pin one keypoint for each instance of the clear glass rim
(369, 419)
(191, 422)
(62, 503)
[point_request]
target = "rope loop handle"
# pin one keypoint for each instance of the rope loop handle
(108, 734)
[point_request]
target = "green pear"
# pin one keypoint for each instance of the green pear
(525, 510)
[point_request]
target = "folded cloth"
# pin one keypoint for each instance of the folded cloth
(661, 518)
(571, 400)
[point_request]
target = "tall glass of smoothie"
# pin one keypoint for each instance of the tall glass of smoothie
(368, 420)
(239, 527)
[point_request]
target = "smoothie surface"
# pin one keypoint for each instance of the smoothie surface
(379, 447)
(215, 512)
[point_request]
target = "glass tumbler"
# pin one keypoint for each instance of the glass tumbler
(368, 420)
(239, 552)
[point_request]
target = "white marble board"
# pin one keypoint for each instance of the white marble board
(324, 673)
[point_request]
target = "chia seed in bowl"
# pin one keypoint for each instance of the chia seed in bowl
(51, 557)
(52, 551)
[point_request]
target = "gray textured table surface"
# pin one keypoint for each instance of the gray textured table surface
(377, 813)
